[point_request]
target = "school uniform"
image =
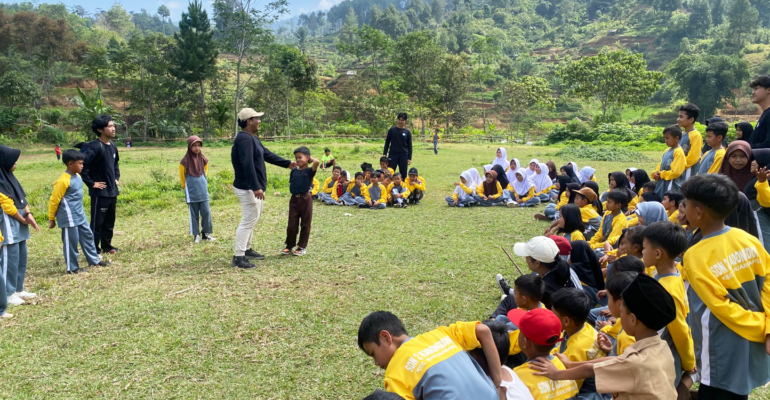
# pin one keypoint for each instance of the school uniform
(495, 197)
(552, 210)
(691, 143)
(574, 236)
(66, 208)
(102, 164)
(543, 183)
(645, 371)
(394, 190)
(355, 196)
(326, 192)
(196, 194)
(300, 207)
(591, 218)
(726, 272)
(543, 388)
(579, 347)
(677, 334)
(14, 245)
(416, 190)
(337, 192)
(464, 196)
(377, 193)
(671, 168)
(609, 231)
(711, 161)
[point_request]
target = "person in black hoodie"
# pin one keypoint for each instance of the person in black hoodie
(398, 146)
(101, 173)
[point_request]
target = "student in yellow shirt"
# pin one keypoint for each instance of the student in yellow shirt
(523, 191)
(376, 194)
(462, 196)
(433, 362)
(526, 294)
(398, 192)
(328, 186)
(416, 185)
(490, 193)
(663, 243)
(670, 202)
(341, 188)
(583, 199)
(729, 292)
(571, 306)
(613, 222)
(691, 142)
(384, 166)
(562, 197)
(668, 175)
(570, 223)
(711, 161)
(316, 188)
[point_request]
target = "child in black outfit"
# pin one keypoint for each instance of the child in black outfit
(301, 203)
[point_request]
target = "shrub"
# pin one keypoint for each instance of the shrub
(603, 133)
(601, 153)
(52, 134)
(53, 115)
(344, 128)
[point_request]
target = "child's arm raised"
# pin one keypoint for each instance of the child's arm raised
(315, 163)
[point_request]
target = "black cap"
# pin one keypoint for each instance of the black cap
(650, 302)
(413, 171)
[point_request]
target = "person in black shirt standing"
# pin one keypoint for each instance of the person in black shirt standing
(301, 203)
(399, 142)
(248, 156)
(101, 173)
(760, 95)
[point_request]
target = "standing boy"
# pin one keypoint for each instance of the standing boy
(729, 293)
(433, 365)
(327, 160)
(436, 138)
(301, 203)
(399, 143)
(66, 207)
(669, 173)
(416, 185)
(691, 139)
(711, 160)
(58, 152)
(760, 95)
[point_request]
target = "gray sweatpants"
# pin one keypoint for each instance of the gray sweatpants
(200, 214)
(15, 266)
(70, 238)
(348, 199)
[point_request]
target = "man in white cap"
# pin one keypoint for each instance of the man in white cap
(542, 255)
(248, 156)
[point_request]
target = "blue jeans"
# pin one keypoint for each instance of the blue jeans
(500, 201)
(468, 201)
(594, 317)
(327, 198)
(348, 199)
(551, 211)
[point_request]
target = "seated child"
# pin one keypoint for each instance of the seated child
(341, 188)
(560, 198)
(366, 169)
(315, 189)
(571, 306)
(511, 387)
(526, 294)
(356, 195)
(669, 174)
(328, 186)
(727, 272)
(387, 179)
(416, 185)
(646, 368)
(376, 194)
(649, 187)
(464, 191)
(570, 223)
(397, 192)
(670, 202)
(663, 243)
(328, 160)
(449, 374)
(540, 330)
(612, 339)
(591, 218)
(490, 193)
(384, 166)
(523, 191)
(613, 222)
(543, 183)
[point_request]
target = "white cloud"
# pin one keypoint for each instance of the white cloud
(327, 4)
(173, 5)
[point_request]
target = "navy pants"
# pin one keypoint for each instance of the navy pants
(103, 221)
(400, 161)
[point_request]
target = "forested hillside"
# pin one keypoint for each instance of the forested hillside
(574, 69)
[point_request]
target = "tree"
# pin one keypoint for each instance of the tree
(18, 90)
(117, 20)
(195, 56)
(452, 87)
(708, 80)
(717, 12)
(414, 66)
(96, 63)
(700, 18)
(164, 13)
(483, 59)
(744, 19)
(437, 10)
(667, 6)
(518, 96)
(615, 78)
(148, 62)
(347, 34)
(372, 46)
(297, 70)
(391, 21)
(302, 36)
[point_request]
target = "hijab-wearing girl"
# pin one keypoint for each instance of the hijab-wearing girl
(464, 191)
(477, 179)
(569, 171)
(639, 178)
(743, 131)
(503, 179)
(650, 212)
(552, 173)
(490, 193)
(562, 198)
(619, 180)
(570, 223)
(587, 174)
(543, 183)
(584, 262)
(14, 226)
(574, 166)
(512, 168)
(570, 193)
(596, 203)
(501, 158)
(629, 174)
(530, 171)
(523, 194)
(737, 163)
(193, 172)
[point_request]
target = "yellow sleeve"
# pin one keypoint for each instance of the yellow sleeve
(499, 191)
(763, 193)
(564, 199)
(657, 169)
(182, 172)
(455, 197)
(7, 205)
(597, 240)
(421, 186)
(618, 224)
(365, 192)
(677, 166)
(392, 171)
(406, 192)
(480, 190)
(696, 143)
(466, 189)
(206, 169)
(383, 194)
(634, 221)
(719, 156)
(464, 334)
(632, 204)
(59, 188)
(388, 189)
(334, 191)
(546, 190)
(327, 189)
(316, 187)
(681, 335)
(530, 194)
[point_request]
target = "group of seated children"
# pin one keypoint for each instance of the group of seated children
(693, 304)
(369, 188)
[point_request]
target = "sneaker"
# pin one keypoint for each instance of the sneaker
(78, 271)
(208, 238)
(541, 217)
(397, 205)
(300, 252)
(113, 250)
(26, 295)
(100, 264)
(14, 300)
(503, 284)
(6, 316)
(197, 239)
(286, 252)
(363, 206)
(416, 202)
(241, 262)
(404, 205)
(512, 204)
(253, 255)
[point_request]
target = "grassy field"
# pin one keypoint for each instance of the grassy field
(171, 319)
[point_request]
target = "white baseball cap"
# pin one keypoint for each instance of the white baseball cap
(540, 248)
(247, 113)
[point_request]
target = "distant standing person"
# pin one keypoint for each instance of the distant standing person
(399, 142)
(58, 152)
(436, 138)
(248, 157)
(101, 173)
(760, 95)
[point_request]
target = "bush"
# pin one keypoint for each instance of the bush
(52, 134)
(53, 115)
(602, 153)
(344, 128)
(603, 133)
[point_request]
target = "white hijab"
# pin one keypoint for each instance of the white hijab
(529, 172)
(511, 174)
(475, 177)
(632, 169)
(469, 183)
(501, 161)
(586, 173)
(574, 167)
(522, 188)
(542, 181)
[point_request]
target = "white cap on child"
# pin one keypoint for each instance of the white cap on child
(540, 248)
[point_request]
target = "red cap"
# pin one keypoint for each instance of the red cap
(562, 243)
(539, 325)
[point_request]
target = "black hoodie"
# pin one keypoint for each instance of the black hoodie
(101, 165)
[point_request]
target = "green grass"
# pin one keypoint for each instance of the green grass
(171, 319)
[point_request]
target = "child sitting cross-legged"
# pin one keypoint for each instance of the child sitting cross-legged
(397, 192)
(340, 189)
(613, 222)
(377, 195)
(464, 191)
(612, 339)
(490, 193)
(646, 368)
(356, 195)
(449, 373)
(511, 386)
(670, 202)
(416, 185)
(325, 194)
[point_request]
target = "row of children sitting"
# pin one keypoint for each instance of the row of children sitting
(371, 189)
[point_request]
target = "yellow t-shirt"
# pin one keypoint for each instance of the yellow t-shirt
(678, 329)
(543, 388)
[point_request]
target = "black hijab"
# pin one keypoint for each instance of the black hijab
(621, 182)
(563, 180)
(9, 185)
(573, 189)
(571, 173)
(586, 265)
(501, 176)
(641, 178)
(746, 130)
(596, 203)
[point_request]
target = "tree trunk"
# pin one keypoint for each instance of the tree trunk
(146, 122)
(237, 95)
(288, 117)
(203, 110)
(303, 112)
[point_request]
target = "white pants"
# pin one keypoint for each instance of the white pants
(251, 209)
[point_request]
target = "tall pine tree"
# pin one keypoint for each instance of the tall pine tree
(195, 56)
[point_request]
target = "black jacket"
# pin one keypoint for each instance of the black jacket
(399, 142)
(101, 165)
(248, 157)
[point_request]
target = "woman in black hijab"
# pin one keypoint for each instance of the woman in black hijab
(501, 176)
(585, 264)
(596, 203)
(743, 131)
(640, 179)
(567, 170)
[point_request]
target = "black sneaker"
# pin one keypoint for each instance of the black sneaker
(241, 262)
(504, 286)
(253, 255)
(100, 264)
(416, 202)
(77, 271)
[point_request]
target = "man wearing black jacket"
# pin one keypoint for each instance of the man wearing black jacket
(399, 142)
(101, 173)
(760, 95)
(248, 156)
